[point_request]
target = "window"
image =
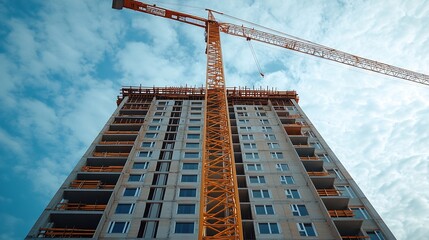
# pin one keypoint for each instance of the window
(192, 154)
(118, 227)
(299, 210)
(268, 228)
(337, 173)
(242, 114)
(267, 129)
(316, 145)
(251, 155)
(145, 154)
(194, 120)
(270, 136)
(247, 137)
(290, 108)
(254, 167)
(187, 192)
(196, 108)
(257, 179)
(189, 178)
(306, 229)
(125, 208)
(241, 108)
(156, 120)
(346, 191)
(194, 128)
(243, 121)
(186, 209)
(195, 114)
(158, 114)
(184, 227)
(131, 192)
(247, 129)
(292, 194)
(193, 136)
(140, 165)
(324, 157)
(375, 235)
(360, 212)
(153, 128)
(148, 144)
(264, 121)
(190, 166)
(259, 193)
(162, 103)
(309, 133)
(273, 145)
(136, 178)
(287, 180)
(160, 108)
(151, 135)
(197, 103)
(276, 155)
(259, 108)
(264, 209)
(283, 167)
(261, 114)
(249, 145)
(192, 145)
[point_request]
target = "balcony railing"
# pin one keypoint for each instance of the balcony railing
(309, 158)
(318, 174)
(90, 184)
(110, 154)
(66, 233)
(354, 237)
(102, 169)
(116, 143)
(328, 192)
(80, 207)
(341, 213)
(121, 132)
(129, 121)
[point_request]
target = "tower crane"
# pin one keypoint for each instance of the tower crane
(220, 216)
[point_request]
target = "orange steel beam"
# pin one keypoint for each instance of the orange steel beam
(220, 216)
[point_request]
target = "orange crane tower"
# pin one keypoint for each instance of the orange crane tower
(220, 216)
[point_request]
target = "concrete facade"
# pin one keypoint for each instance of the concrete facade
(140, 178)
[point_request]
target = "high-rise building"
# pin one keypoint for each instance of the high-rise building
(140, 178)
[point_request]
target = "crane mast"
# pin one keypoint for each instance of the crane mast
(220, 216)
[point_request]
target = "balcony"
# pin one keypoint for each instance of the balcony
(130, 121)
(354, 237)
(80, 207)
(341, 213)
(90, 184)
(121, 132)
(318, 174)
(102, 169)
(66, 233)
(116, 142)
(328, 192)
(110, 154)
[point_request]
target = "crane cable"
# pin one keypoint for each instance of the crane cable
(255, 58)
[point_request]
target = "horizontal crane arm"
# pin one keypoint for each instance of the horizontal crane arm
(324, 52)
(158, 11)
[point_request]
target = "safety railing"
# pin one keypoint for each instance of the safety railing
(318, 174)
(66, 233)
(80, 207)
(328, 192)
(116, 143)
(110, 154)
(90, 184)
(121, 132)
(341, 213)
(102, 169)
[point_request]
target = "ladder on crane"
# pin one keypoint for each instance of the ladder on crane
(220, 216)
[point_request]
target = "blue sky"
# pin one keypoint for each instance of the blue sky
(62, 64)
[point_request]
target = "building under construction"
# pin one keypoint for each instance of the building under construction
(142, 175)
(214, 163)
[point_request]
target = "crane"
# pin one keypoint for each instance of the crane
(220, 216)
